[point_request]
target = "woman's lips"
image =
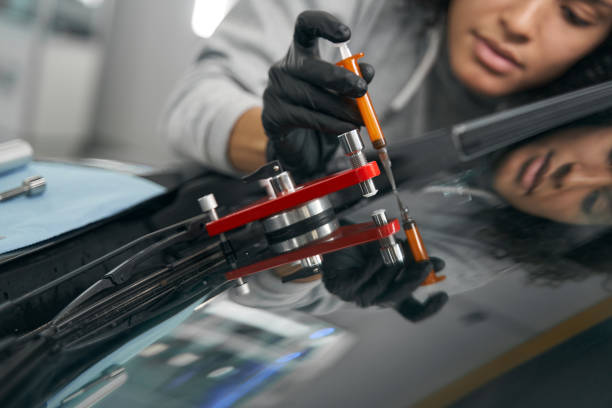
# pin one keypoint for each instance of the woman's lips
(493, 58)
(532, 172)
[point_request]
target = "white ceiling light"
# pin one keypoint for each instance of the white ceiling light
(92, 3)
(208, 14)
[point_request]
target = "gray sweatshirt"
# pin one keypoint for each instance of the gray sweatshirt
(413, 91)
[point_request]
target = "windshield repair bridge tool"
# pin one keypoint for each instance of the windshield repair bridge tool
(298, 222)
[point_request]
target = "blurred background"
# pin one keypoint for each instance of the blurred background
(89, 78)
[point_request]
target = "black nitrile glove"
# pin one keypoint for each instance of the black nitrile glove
(358, 275)
(307, 102)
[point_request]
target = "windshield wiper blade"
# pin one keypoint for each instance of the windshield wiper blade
(141, 302)
(125, 270)
(96, 262)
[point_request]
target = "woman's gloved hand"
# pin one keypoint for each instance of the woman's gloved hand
(358, 275)
(307, 102)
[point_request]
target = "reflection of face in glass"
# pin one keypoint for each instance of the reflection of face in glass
(566, 176)
(498, 47)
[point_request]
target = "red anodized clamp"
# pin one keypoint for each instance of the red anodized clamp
(344, 237)
(302, 194)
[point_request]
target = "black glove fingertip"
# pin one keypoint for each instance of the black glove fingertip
(343, 33)
(311, 24)
(436, 301)
(437, 263)
(432, 305)
(361, 86)
(352, 86)
(415, 311)
(424, 269)
(367, 71)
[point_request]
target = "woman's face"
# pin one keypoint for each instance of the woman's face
(566, 176)
(498, 47)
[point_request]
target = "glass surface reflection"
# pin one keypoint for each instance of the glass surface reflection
(520, 230)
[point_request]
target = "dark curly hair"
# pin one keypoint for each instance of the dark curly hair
(438, 7)
(550, 252)
(592, 69)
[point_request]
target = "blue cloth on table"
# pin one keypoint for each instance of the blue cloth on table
(75, 197)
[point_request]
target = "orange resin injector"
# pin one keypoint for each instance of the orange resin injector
(370, 119)
(415, 242)
(368, 114)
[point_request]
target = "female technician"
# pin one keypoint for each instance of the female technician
(437, 63)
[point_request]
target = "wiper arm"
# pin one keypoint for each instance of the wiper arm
(141, 301)
(124, 271)
(101, 260)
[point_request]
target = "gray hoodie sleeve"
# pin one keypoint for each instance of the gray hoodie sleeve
(268, 292)
(231, 75)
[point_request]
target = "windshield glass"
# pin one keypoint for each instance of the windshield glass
(243, 203)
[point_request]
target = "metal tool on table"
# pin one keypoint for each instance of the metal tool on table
(31, 186)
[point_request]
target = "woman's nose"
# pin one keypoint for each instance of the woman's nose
(581, 175)
(520, 19)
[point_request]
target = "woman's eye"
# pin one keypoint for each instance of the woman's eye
(589, 202)
(573, 18)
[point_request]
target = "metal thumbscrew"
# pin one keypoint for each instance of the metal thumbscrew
(31, 186)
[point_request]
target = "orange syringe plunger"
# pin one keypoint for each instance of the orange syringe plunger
(364, 103)
(417, 248)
